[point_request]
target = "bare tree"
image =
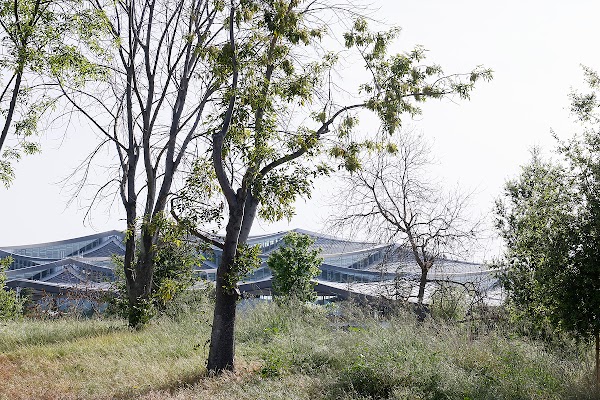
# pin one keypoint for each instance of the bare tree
(393, 198)
(168, 59)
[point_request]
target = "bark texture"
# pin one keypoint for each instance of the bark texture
(222, 343)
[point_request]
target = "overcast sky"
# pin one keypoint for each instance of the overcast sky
(534, 47)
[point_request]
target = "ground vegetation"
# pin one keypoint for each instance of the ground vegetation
(308, 352)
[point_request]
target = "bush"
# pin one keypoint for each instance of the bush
(373, 381)
(175, 259)
(294, 265)
(11, 306)
(449, 303)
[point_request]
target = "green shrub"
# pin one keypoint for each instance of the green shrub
(274, 365)
(11, 306)
(294, 265)
(368, 380)
(448, 303)
(174, 262)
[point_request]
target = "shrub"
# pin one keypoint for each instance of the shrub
(448, 303)
(10, 305)
(294, 265)
(175, 259)
(368, 380)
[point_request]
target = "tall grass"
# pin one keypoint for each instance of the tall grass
(26, 333)
(368, 357)
(285, 352)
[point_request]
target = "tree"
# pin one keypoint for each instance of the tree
(580, 299)
(393, 197)
(40, 40)
(167, 61)
(281, 115)
(549, 218)
(550, 266)
(535, 218)
(294, 265)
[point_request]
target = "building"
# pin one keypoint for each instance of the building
(349, 268)
(366, 269)
(80, 264)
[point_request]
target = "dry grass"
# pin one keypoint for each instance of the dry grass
(293, 353)
(117, 363)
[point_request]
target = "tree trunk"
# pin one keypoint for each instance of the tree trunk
(139, 298)
(424, 265)
(249, 215)
(421, 312)
(140, 281)
(222, 341)
(598, 361)
(422, 284)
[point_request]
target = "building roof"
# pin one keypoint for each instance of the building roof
(81, 239)
(106, 249)
(360, 267)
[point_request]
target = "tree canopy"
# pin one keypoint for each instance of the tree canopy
(285, 120)
(536, 220)
(42, 42)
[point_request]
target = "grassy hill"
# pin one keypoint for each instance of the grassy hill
(305, 352)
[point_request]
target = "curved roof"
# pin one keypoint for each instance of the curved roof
(82, 263)
(66, 241)
(330, 245)
(371, 266)
(103, 244)
(106, 249)
(37, 260)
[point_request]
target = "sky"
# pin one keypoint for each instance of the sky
(535, 48)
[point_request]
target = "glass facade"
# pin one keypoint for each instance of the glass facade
(66, 262)
(343, 261)
(355, 260)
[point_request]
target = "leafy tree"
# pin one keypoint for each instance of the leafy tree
(10, 305)
(41, 42)
(579, 300)
(549, 218)
(294, 265)
(536, 220)
(282, 116)
(176, 259)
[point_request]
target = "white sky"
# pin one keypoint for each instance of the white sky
(534, 47)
